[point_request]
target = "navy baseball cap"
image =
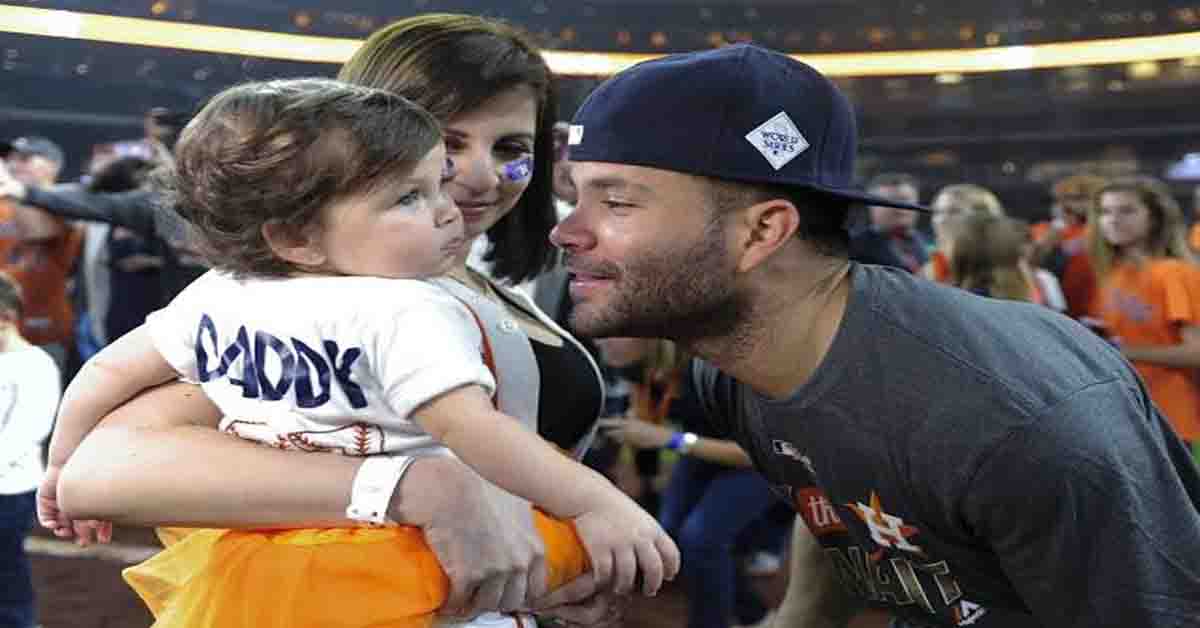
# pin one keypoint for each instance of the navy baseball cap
(34, 146)
(741, 113)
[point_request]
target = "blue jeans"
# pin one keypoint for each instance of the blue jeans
(706, 508)
(17, 608)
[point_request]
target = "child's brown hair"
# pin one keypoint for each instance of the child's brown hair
(278, 152)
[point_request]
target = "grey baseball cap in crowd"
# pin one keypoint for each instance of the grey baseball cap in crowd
(741, 113)
(33, 145)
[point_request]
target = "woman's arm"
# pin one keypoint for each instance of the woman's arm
(1186, 354)
(157, 460)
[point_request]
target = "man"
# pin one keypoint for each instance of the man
(962, 461)
(891, 238)
(39, 250)
(1061, 244)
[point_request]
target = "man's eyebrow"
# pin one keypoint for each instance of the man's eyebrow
(617, 184)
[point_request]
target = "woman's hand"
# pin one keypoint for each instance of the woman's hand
(636, 433)
(591, 609)
(483, 537)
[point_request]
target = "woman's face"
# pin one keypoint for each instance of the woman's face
(1124, 219)
(491, 148)
(944, 209)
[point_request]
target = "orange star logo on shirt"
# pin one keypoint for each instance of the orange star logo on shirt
(886, 530)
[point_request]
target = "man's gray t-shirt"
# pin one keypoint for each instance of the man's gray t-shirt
(974, 462)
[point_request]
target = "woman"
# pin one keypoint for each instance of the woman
(1150, 292)
(951, 202)
(985, 257)
(494, 95)
(974, 214)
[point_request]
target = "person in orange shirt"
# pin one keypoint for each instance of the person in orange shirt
(39, 250)
(1194, 232)
(1150, 293)
(1060, 245)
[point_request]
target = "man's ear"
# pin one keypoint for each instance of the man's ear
(767, 226)
(298, 246)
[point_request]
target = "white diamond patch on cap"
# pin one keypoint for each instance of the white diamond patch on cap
(778, 140)
(575, 135)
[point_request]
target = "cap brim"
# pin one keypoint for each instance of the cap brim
(867, 199)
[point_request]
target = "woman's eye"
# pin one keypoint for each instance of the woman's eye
(514, 149)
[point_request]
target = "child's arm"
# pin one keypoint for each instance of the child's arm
(620, 537)
(115, 375)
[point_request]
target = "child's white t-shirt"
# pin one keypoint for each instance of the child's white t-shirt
(322, 363)
(30, 387)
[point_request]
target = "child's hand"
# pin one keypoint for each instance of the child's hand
(622, 539)
(48, 512)
(51, 516)
(91, 531)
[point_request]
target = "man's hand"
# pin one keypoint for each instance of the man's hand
(10, 188)
(483, 537)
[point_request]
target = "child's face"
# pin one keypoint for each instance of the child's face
(405, 228)
(1124, 218)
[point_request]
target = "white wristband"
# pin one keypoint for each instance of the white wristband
(374, 483)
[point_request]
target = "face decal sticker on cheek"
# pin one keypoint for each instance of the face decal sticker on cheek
(518, 170)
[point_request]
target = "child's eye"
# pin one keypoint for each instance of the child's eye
(409, 198)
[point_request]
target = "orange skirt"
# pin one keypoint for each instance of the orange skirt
(313, 578)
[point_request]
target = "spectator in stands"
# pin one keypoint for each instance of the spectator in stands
(1060, 245)
(135, 263)
(1149, 297)
(982, 250)
(891, 237)
(138, 210)
(39, 250)
(951, 202)
(985, 257)
(713, 497)
(29, 392)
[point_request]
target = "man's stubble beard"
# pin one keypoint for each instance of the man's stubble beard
(686, 294)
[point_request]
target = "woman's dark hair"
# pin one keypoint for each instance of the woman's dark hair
(122, 175)
(452, 64)
(280, 151)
